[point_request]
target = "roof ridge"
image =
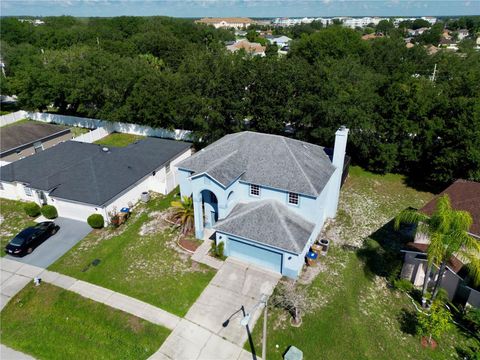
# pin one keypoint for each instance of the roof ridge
(299, 166)
(284, 225)
(256, 205)
(220, 160)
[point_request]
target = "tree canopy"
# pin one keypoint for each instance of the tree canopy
(174, 73)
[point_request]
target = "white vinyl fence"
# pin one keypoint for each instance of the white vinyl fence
(104, 127)
(112, 126)
(92, 135)
(13, 117)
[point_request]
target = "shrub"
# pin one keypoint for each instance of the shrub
(32, 209)
(436, 323)
(403, 285)
(96, 221)
(49, 211)
(472, 320)
(218, 250)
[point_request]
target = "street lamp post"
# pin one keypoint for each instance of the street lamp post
(246, 319)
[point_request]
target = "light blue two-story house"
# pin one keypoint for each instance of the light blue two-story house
(266, 196)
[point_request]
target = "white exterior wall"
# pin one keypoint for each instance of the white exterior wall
(74, 210)
(15, 191)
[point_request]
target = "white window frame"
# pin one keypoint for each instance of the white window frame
(27, 190)
(254, 190)
(293, 196)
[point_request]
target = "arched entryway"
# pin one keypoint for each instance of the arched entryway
(210, 208)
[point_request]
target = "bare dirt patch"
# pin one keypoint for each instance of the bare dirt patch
(158, 222)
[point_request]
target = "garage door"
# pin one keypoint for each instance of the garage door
(73, 210)
(255, 255)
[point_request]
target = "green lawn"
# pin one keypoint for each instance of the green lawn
(148, 267)
(353, 313)
(52, 323)
(77, 131)
(119, 140)
(13, 220)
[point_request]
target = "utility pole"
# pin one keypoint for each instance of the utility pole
(432, 78)
(264, 340)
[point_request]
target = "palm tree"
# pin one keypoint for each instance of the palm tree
(447, 230)
(183, 214)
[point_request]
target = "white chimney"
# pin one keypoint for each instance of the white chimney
(338, 160)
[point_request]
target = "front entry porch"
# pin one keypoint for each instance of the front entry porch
(205, 206)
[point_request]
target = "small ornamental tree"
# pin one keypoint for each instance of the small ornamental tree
(96, 221)
(436, 322)
(292, 298)
(32, 209)
(49, 211)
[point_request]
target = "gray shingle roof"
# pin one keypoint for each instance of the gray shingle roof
(27, 133)
(263, 159)
(85, 173)
(268, 222)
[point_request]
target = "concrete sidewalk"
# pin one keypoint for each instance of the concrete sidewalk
(201, 255)
(15, 275)
(190, 341)
(7, 353)
(201, 335)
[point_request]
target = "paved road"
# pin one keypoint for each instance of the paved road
(71, 232)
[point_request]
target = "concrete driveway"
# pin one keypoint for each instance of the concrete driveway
(236, 284)
(71, 232)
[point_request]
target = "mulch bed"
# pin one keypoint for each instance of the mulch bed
(426, 344)
(189, 245)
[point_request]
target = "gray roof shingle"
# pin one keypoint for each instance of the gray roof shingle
(24, 134)
(268, 222)
(84, 172)
(264, 159)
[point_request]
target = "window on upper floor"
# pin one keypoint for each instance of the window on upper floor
(254, 190)
(293, 198)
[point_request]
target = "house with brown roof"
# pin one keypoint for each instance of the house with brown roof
(251, 48)
(464, 195)
(227, 23)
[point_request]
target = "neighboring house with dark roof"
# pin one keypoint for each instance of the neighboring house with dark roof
(80, 179)
(27, 138)
(464, 195)
(266, 196)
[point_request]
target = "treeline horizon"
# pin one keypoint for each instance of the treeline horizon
(173, 73)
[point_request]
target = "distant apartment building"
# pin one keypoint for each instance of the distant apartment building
(227, 23)
(362, 22)
(35, 22)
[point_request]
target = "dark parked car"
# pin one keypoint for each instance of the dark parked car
(27, 240)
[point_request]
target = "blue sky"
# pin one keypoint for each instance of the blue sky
(252, 8)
